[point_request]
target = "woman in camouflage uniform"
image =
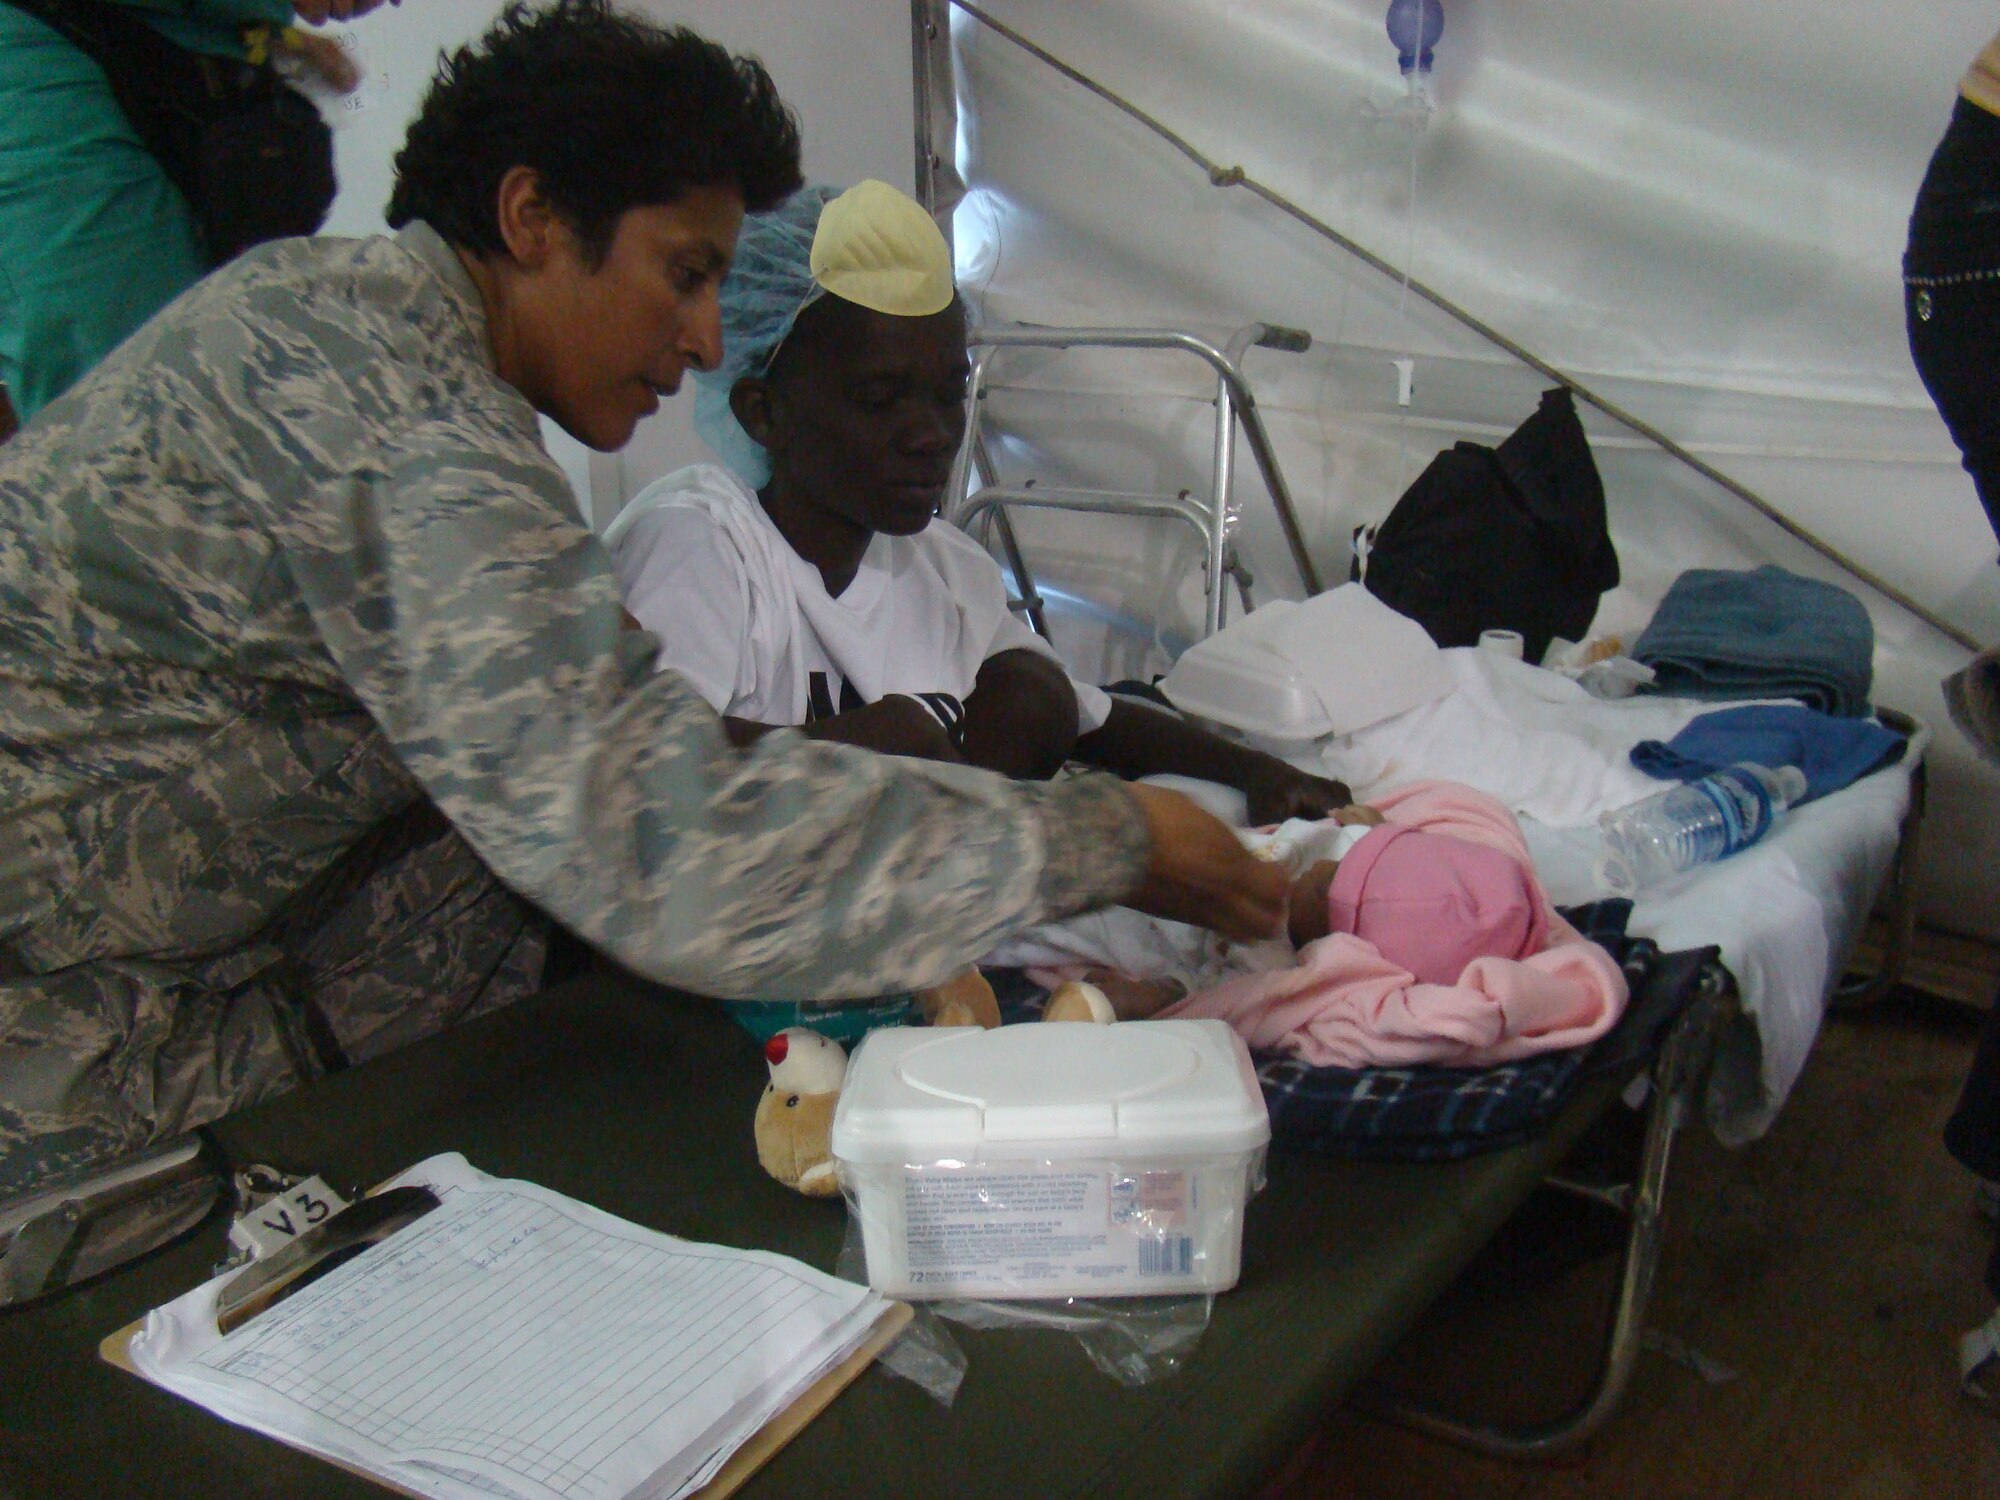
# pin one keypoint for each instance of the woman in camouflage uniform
(315, 695)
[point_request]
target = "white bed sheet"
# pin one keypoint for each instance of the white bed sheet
(1785, 913)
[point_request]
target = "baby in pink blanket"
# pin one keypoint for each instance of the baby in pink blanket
(1429, 941)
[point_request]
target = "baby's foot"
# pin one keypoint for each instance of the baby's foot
(1137, 999)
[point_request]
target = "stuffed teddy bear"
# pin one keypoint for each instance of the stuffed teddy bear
(1077, 1001)
(794, 1125)
(967, 1000)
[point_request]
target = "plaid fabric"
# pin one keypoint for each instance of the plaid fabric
(1445, 1114)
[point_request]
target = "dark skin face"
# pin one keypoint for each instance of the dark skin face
(861, 415)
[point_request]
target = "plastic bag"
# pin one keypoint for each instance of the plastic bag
(1598, 666)
(924, 1353)
(1134, 1340)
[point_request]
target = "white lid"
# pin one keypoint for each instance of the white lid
(1151, 1088)
(1236, 678)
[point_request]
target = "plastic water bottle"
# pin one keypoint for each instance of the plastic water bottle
(1694, 824)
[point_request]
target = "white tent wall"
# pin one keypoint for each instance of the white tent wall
(1697, 211)
(849, 84)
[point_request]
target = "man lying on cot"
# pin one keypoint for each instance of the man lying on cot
(810, 583)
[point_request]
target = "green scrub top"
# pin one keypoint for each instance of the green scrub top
(211, 25)
(93, 237)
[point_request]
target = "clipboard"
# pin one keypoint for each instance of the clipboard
(751, 1455)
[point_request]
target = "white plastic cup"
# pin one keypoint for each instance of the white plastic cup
(1501, 642)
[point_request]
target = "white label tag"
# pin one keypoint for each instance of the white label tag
(986, 1228)
(283, 1217)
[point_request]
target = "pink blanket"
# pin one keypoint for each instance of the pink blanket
(1344, 1005)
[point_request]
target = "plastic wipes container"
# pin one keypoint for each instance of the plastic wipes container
(1051, 1160)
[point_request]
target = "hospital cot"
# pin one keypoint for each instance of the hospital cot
(1784, 917)
(638, 1100)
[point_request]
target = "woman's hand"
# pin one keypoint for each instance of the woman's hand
(1020, 717)
(1199, 872)
(1311, 918)
(895, 725)
(333, 65)
(1275, 791)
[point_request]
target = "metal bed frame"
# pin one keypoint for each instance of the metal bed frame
(1678, 1076)
(1852, 995)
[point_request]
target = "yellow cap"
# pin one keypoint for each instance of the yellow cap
(876, 246)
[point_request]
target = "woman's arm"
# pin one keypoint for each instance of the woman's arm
(1138, 740)
(1020, 718)
(895, 725)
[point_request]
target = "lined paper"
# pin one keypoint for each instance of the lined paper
(519, 1343)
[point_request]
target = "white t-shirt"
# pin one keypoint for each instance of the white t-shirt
(750, 623)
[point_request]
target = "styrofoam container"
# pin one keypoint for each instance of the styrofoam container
(1292, 673)
(1051, 1160)
(1240, 680)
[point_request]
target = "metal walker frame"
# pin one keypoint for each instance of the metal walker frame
(1214, 519)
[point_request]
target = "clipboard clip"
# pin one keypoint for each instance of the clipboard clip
(317, 1251)
(53, 1237)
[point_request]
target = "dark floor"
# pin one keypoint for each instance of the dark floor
(1802, 1336)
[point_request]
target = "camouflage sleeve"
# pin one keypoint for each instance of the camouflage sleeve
(1091, 827)
(480, 624)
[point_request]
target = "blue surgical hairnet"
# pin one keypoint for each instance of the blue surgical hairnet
(770, 282)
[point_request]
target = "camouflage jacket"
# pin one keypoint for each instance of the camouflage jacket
(294, 555)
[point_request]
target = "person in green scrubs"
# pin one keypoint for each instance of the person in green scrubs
(94, 239)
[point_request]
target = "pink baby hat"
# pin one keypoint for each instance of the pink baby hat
(1431, 903)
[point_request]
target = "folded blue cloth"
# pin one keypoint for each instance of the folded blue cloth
(1765, 633)
(1832, 753)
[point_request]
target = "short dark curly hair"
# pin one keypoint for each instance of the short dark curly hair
(613, 112)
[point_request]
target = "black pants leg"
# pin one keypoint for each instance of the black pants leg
(1951, 300)
(1951, 303)
(1972, 1134)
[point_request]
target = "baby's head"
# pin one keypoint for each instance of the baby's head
(1428, 902)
